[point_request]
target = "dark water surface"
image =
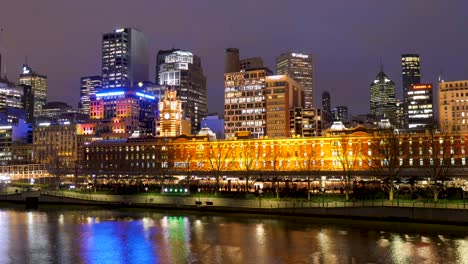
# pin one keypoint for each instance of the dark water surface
(94, 235)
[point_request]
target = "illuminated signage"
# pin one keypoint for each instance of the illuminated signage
(145, 95)
(25, 70)
(422, 86)
(234, 76)
(110, 94)
(299, 55)
(275, 77)
(119, 30)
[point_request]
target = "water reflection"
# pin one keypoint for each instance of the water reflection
(71, 236)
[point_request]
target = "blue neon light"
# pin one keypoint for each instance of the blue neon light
(110, 93)
(146, 95)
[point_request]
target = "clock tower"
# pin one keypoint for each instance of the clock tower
(171, 122)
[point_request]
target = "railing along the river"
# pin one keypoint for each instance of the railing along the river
(149, 199)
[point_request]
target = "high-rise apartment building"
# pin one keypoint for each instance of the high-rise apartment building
(124, 58)
(282, 94)
(89, 86)
(183, 71)
(38, 85)
(411, 74)
(420, 107)
(453, 106)
(300, 67)
(244, 102)
(382, 98)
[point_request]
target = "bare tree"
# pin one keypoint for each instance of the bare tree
(347, 154)
(246, 159)
(440, 147)
(276, 156)
(386, 156)
(218, 157)
(306, 161)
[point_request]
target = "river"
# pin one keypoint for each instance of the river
(55, 234)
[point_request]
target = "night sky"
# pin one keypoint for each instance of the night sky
(62, 38)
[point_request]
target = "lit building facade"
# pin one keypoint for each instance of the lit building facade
(160, 60)
(411, 74)
(56, 145)
(244, 103)
(89, 86)
(10, 136)
(300, 67)
(124, 58)
(420, 107)
(171, 116)
(340, 112)
(305, 122)
(121, 113)
(282, 94)
(11, 105)
(182, 70)
(382, 98)
(295, 156)
(38, 85)
(453, 106)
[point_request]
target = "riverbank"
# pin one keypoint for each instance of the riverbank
(382, 211)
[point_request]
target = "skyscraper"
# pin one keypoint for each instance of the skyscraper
(299, 67)
(89, 86)
(326, 108)
(420, 107)
(160, 60)
(410, 70)
(124, 58)
(183, 71)
(38, 85)
(232, 60)
(382, 97)
(341, 112)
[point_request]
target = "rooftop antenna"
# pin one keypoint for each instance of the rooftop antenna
(441, 76)
(381, 64)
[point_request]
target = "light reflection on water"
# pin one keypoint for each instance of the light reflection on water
(103, 236)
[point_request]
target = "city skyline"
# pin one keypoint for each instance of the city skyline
(340, 36)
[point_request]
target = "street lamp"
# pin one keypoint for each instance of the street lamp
(146, 190)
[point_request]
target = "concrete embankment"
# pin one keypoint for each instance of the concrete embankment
(401, 212)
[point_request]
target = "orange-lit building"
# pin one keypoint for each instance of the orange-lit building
(323, 155)
(453, 105)
(282, 94)
(171, 116)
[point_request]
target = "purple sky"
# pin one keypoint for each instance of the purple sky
(346, 37)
